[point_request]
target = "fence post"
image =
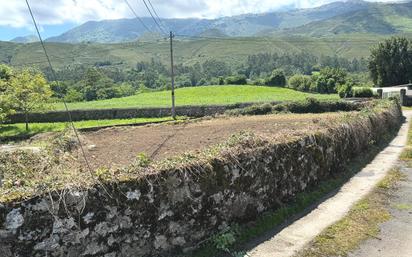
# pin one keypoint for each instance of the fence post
(403, 97)
(380, 93)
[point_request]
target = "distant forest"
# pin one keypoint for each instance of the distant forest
(102, 81)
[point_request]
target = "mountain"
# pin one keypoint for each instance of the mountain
(381, 19)
(124, 30)
(25, 39)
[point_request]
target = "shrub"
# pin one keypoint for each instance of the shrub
(259, 82)
(73, 95)
(277, 78)
(362, 92)
(217, 81)
(345, 91)
(183, 81)
(202, 82)
(236, 80)
(124, 89)
(300, 82)
(251, 110)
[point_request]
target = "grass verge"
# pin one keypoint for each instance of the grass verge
(361, 223)
(18, 130)
(407, 152)
(283, 216)
(364, 218)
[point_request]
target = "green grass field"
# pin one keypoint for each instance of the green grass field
(207, 95)
(16, 130)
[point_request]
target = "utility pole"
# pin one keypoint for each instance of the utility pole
(173, 76)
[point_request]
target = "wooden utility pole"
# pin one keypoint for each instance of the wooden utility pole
(173, 75)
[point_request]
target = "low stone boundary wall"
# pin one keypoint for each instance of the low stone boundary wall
(171, 210)
(109, 114)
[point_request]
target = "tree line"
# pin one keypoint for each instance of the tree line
(27, 90)
(85, 83)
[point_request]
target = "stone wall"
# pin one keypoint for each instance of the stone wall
(173, 209)
(105, 114)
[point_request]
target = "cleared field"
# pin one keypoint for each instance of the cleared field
(120, 146)
(207, 95)
(19, 129)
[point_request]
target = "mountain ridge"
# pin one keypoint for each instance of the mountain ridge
(245, 25)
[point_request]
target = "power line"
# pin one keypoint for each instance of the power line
(57, 82)
(291, 40)
(154, 11)
(150, 12)
(137, 16)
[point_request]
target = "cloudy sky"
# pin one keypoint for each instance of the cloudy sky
(57, 16)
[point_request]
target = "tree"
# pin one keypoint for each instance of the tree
(5, 107)
(390, 62)
(236, 80)
(328, 80)
(97, 86)
(345, 90)
(277, 78)
(5, 72)
(72, 95)
(28, 91)
(214, 68)
(300, 82)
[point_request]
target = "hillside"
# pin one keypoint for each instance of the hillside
(25, 39)
(231, 50)
(112, 31)
(381, 19)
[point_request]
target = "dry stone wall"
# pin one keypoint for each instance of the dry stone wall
(172, 210)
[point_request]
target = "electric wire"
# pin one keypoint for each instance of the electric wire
(154, 19)
(155, 12)
(137, 16)
(271, 39)
(64, 102)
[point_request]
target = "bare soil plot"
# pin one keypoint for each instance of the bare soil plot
(115, 147)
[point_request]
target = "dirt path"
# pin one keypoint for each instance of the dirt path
(395, 239)
(116, 147)
(294, 237)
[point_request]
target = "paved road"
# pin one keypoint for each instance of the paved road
(293, 238)
(395, 239)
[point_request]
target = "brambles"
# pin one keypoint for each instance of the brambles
(63, 142)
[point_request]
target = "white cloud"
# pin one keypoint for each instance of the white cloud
(14, 12)
(49, 12)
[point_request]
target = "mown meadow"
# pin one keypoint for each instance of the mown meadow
(204, 95)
